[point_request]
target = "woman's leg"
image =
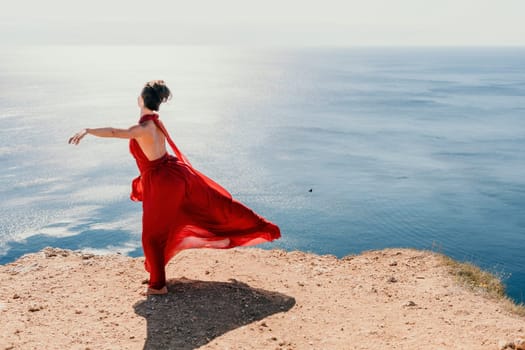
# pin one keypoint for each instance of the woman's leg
(154, 253)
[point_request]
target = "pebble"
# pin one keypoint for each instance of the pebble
(35, 308)
(503, 344)
(517, 344)
(52, 252)
(23, 268)
(392, 280)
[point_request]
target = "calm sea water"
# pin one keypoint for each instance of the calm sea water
(418, 148)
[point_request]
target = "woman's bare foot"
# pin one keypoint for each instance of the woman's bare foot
(151, 291)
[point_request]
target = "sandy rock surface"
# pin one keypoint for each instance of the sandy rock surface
(247, 299)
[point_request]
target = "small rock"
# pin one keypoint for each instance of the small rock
(50, 254)
(503, 344)
(16, 296)
(392, 280)
(21, 269)
(519, 343)
(35, 308)
(87, 256)
(410, 303)
(393, 263)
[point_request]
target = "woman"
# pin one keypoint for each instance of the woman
(182, 208)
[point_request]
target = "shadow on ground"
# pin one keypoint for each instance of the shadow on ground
(193, 313)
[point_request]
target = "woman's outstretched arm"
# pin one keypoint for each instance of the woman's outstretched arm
(135, 131)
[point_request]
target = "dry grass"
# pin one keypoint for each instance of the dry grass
(477, 279)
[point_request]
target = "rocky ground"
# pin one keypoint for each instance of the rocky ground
(248, 299)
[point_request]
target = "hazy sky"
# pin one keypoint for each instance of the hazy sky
(268, 22)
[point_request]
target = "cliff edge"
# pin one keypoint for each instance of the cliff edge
(249, 299)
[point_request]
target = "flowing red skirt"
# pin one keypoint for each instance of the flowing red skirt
(183, 209)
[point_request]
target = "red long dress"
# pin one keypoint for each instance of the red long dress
(182, 209)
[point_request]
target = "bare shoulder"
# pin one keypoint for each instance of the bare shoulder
(142, 130)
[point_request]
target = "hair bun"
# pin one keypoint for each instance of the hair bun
(154, 93)
(161, 90)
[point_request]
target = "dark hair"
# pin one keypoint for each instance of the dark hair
(154, 93)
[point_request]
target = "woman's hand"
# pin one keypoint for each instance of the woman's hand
(75, 139)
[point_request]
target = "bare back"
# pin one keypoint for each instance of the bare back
(153, 142)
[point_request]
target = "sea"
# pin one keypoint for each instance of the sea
(346, 149)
